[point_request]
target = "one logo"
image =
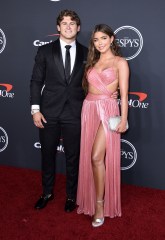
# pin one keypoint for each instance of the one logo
(128, 155)
(2, 41)
(136, 100)
(38, 43)
(5, 90)
(130, 41)
(60, 147)
(3, 139)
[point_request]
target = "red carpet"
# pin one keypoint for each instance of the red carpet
(143, 212)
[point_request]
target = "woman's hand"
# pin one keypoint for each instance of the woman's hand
(122, 126)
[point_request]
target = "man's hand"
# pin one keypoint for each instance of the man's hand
(114, 95)
(38, 118)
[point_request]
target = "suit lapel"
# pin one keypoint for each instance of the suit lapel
(58, 58)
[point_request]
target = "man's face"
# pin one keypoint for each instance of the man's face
(68, 29)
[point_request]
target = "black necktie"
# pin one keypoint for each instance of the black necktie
(67, 63)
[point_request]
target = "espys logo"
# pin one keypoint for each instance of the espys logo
(5, 91)
(2, 41)
(38, 43)
(128, 155)
(130, 40)
(3, 139)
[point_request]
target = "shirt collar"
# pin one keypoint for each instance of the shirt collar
(63, 44)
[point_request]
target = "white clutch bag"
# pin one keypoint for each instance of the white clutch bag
(114, 121)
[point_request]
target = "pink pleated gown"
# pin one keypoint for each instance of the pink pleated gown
(97, 108)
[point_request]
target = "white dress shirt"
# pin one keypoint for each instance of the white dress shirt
(72, 52)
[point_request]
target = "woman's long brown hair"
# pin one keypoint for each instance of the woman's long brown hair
(94, 54)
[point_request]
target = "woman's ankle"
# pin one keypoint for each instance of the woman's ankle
(100, 201)
(99, 209)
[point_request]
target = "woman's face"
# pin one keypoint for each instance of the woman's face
(102, 42)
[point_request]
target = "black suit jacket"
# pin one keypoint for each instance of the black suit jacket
(48, 72)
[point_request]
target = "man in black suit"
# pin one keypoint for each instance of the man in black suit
(56, 102)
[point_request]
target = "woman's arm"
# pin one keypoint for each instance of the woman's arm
(123, 85)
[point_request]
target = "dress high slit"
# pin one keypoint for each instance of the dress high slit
(97, 108)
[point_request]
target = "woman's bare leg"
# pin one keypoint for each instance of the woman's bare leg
(98, 165)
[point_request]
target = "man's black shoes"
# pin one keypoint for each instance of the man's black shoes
(70, 205)
(43, 200)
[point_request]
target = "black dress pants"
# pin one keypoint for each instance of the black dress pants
(69, 127)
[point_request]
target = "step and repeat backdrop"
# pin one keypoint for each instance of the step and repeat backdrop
(139, 29)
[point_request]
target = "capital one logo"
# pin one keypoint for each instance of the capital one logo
(5, 90)
(136, 100)
(3, 139)
(38, 43)
(130, 41)
(2, 41)
(128, 155)
(60, 147)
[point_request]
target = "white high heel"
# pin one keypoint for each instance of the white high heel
(98, 221)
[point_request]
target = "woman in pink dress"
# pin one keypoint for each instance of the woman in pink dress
(98, 192)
